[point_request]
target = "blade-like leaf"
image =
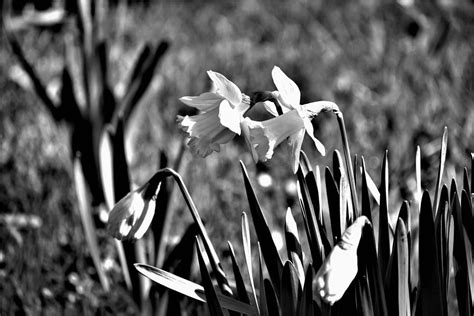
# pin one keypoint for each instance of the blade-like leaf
(366, 208)
(84, 206)
(248, 255)
(431, 293)
(191, 289)
(465, 181)
(139, 64)
(215, 308)
(69, 106)
(293, 245)
(272, 301)
(290, 289)
(138, 89)
(38, 85)
(442, 160)
(337, 167)
(384, 230)
(466, 209)
(318, 243)
(370, 270)
(239, 281)
(418, 192)
(263, 296)
(305, 301)
(334, 207)
(397, 289)
(269, 250)
(460, 255)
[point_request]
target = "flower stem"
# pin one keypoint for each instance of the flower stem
(213, 258)
(347, 156)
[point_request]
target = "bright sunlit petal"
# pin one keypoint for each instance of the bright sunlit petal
(287, 88)
(226, 88)
(229, 117)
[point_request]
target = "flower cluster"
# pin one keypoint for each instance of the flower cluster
(223, 116)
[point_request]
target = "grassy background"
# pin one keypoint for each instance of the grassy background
(399, 74)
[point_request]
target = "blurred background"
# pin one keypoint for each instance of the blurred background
(399, 70)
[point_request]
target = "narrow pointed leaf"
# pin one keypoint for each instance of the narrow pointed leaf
(139, 64)
(263, 296)
(337, 166)
(191, 289)
(431, 293)
(370, 270)
(215, 308)
(293, 245)
(272, 301)
(248, 254)
(305, 302)
(384, 230)
(465, 181)
(269, 251)
(442, 160)
(397, 289)
(316, 233)
(334, 207)
(38, 85)
(239, 281)
(138, 89)
(460, 255)
(69, 106)
(290, 289)
(88, 223)
(366, 208)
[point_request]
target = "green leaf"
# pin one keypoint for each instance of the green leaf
(318, 243)
(290, 289)
(431, 294)
(293, 245)
(397, 278)
(191, 289)
(248, 255)
(263, 296)
(239, 281)
(337, 167)
(139, 64)
(460, 255)
(139, 87)
(369, 270)
(465, 181)
(84, 206)
(334, 207)
(269, 250)
(37, 84)
(466, 210)
(305, 301)
(442, 160)
(272, 300)
(384, 226)
(69, 107)
(215, 308)
(366, 208)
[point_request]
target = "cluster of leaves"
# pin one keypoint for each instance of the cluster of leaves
(411, 268)
(97, 118)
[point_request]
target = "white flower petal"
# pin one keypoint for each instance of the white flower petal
(226, 88)
(314, 108)
(229, 117)
(143, 222)
(310, 130)
(270, 107)
(264, 136)
(340, 267)
(287, 88)
(203, 102)
(295, 141)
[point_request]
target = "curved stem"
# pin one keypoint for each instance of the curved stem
(347, 156)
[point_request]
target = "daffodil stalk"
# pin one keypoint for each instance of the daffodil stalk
(131, 217)
(347, 157)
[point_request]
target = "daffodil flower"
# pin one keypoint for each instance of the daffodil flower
(220, 117)
(340, 267)
(131, 217)
(295, 121)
